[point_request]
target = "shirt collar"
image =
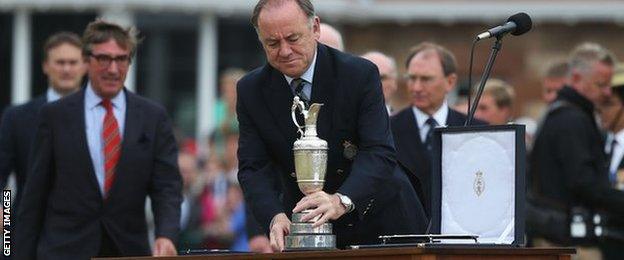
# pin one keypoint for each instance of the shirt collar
(92, 100)
(52, 95)
(308, 75)
(439, 116)
(619, 137)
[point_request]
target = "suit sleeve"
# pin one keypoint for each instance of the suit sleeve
(7, 146)
(36, 190)
(375, 161)
(579, 166)
(256, 172)
(166, 183)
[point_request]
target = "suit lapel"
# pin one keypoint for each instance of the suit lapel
(454, 118)
(76, 121)
(324, 84)
(410, 141)
(279, 98)
(133, 133)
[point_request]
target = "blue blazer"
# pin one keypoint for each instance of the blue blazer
(353, 117)
(17, 132)
(63, 214)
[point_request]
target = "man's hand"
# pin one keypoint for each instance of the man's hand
(280, 226)
(260, 244)
(164, 247)
(326, 205)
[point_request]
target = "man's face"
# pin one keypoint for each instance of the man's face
(609, 112)
(288, 38)
(387, 74)
(488, 111)
(550, 86)
(64, 67)
(108, 66)
(595, 85)
(426, 81)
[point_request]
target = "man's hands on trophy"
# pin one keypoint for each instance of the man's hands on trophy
(280, 226)
(328, 206)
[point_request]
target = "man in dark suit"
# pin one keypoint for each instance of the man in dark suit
(97, 155)
(365, 193)
(431, 74)
(568, 167)
(64, 67)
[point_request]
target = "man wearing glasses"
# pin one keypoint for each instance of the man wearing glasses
(98, 154)
(387, 73)
(431, 74)
(568, 167)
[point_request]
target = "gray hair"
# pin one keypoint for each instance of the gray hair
(305, 5)
(369, 55)
(586, 54)
(100, 31)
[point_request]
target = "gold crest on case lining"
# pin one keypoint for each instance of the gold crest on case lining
(479, 184)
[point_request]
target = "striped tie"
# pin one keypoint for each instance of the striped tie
(112, 143)
(298, 84)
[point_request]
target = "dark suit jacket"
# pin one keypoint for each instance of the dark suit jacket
(411, 152)
(353, 112)
(17, 132)
(567, 164)
(63, 214)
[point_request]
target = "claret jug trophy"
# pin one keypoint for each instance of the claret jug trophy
(310, 168)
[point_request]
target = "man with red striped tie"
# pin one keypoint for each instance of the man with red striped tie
(98, 154)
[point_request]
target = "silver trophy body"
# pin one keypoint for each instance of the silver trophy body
(310, 168)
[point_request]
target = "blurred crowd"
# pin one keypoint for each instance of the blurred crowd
(213, 211)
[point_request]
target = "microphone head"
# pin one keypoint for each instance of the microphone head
(523, 23)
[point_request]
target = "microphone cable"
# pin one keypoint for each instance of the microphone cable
(474, 44)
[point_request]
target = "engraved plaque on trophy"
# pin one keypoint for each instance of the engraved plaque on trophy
(310, 167)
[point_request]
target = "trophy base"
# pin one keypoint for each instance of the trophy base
(310, 242)
(304, 237)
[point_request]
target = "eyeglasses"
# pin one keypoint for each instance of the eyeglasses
(106, 60)
(410, 78)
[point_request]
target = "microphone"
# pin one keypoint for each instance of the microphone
(517, 24)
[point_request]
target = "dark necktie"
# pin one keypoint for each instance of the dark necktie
(298, 84)
(428, 139)
(111, 145)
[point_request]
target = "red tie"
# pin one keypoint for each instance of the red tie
(112, 145)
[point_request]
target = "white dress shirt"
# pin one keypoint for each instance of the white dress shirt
(52, 95)
(94, 120)
(618, 151)
(308, 76)
(421, 119)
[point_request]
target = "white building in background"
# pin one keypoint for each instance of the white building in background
(205, 15)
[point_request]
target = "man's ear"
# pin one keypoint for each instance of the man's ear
(316, 27)
(451, 81)
(44, 67)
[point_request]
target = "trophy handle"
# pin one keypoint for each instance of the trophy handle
(297, 104)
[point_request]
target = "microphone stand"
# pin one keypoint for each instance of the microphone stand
(486, 74)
